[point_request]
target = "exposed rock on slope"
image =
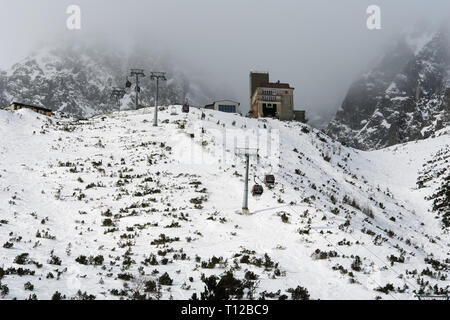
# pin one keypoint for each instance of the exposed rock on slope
(436, 176)
(405, 98)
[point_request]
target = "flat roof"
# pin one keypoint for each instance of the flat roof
(278, 85)
(227, 101)
(30, 106)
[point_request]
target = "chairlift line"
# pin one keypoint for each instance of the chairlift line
(257, 190)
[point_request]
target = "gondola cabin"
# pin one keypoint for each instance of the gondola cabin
(257, 190)
(269, 180)
(185, 108)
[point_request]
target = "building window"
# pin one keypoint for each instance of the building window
(268, 92)
(227, 108)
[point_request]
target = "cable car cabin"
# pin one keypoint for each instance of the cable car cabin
(128, 84)
(185, 108)
(269, 180)
(257, 190)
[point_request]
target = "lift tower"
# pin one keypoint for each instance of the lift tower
(137, 73)
(117, 94)
(247, 153)
(158, 76)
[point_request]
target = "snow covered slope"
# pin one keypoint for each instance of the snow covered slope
(113, 207)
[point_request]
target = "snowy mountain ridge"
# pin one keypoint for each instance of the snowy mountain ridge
(405, 97)
(77, 79)
(111, 207)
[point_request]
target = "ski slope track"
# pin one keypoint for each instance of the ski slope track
(101, 207)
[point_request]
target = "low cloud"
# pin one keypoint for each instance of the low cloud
(318, 46)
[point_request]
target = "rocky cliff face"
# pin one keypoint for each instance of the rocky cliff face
(404, 98)
(77, 79)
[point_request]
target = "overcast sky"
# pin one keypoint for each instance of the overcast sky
(318, 46)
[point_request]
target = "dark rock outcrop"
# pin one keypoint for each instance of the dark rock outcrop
(404, 98)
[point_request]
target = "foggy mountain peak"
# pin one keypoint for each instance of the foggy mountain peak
(405, 97)
(77, 78)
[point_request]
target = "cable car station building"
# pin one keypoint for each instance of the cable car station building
(272, 99)
(18, 106)
(228, 106)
